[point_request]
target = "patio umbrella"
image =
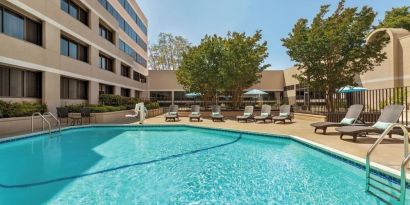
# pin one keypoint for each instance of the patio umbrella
(192, 95)
(351, 89)
(256, 92)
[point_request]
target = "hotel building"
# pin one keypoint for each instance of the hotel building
(62, 52)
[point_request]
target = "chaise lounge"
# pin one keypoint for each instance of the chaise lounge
(216, 113)
(195, 113)
(247, 114)
(389, 116)
(265, 114)
(351, 118)
(284, 114)
(172, 114)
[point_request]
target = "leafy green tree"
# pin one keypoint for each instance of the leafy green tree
(200, 68)
(396, 18)
(167, 53)
(218, 64)
(243, 63)
(331, 51)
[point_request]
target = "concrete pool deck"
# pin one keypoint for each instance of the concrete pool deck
(389, 153)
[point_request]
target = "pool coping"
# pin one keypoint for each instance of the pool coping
(383, 171)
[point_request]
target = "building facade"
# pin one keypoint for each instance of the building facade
(62, 52)
(280, 84)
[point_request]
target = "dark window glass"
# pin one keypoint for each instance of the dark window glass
(106, 33)
(1, 19)
(33, 32)
(125, 92)
(136, 76)
(75, 11)
(64, 5)
(64, 46)
(143, 78)
(13, 24)
(125, 71)
(105, 63)
(73, 89)
(106, 89)
(19, 83)
(72, 49)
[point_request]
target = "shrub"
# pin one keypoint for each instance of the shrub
(20, 109)
(96, 108)
(116, 100)
(151, 105)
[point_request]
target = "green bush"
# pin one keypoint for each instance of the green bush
(116, 100)
(152, 105)
(96, 108)
(20, 109)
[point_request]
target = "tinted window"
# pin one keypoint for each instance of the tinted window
(72, 49)
(73, 89)
(75, 11)
(64, 46)
(33, 32)
(19, 83)
(13, 24)
(64, 5)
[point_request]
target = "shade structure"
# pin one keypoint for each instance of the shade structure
(351, 89)
(256, 92)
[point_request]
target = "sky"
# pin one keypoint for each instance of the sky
(193, 19)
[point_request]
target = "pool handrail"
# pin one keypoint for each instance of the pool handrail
(403, 168)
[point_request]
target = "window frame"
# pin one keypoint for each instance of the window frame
(80, 49)
(82, 13)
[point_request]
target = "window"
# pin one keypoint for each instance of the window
(71, 88)
(125, 71)
(161, 96)
(128, 50)
(136, 76)
(73, 49)
(124, 25)
(74, 10)
(143, 78)
(125, 92)
(137, 93)
(33, 32)
(106, 89)
(105, 62)
(289, 87)
(13, 24)
(20, 27)
(106, 33)
(19, 83)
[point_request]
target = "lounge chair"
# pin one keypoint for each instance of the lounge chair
(216, 113)
(265, 114)
(390, 114)
(86, 113)
(351, 118)
(172, 114)
(195, 113)
(284, 114)
(247, 114)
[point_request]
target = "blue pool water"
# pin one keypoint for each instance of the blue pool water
(173, 165)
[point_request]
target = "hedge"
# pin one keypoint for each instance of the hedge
(20, 109)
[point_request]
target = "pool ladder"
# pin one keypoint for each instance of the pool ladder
(43, 119)
(374, 184)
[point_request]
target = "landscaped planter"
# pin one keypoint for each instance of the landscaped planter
(15, 125)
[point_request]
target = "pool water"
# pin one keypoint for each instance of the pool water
(173, 165)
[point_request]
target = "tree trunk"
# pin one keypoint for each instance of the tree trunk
(330, 101)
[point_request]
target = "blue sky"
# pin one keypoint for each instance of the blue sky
(193, 19)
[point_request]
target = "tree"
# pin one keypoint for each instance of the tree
(219, 64)
(243, 63)
(200, 68)
(396, 18)
(331, 51)
(167, 53)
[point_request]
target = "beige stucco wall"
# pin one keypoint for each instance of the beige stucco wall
(163, 80)
(47, 58)
(390, 72)
(272, 80)
(405, 60)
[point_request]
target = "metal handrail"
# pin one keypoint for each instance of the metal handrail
(58, 121)
(44, 119)
(404, 162)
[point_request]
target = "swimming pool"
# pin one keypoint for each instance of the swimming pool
(174, 165)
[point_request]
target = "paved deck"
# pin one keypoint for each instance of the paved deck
(389, 153)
